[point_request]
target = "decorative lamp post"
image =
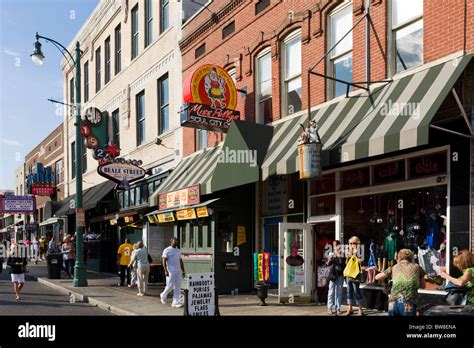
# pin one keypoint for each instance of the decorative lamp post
(38, 57)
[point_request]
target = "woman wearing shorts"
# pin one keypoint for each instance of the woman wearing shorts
(17, 265)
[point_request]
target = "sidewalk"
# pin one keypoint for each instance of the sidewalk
(103, 292)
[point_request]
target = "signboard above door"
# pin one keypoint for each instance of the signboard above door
(179, 198)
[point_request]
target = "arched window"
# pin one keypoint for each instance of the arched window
(291, 74)
(340, 58)
(263, 86)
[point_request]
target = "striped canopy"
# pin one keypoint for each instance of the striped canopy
(196, 168)
(391, 117)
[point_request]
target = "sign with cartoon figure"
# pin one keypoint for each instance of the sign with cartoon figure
(210, 99)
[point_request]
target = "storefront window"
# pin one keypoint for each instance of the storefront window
(207, 230)
(323, 205)
(200, 243)
(224, 232)
(412, 219)
(125, 199)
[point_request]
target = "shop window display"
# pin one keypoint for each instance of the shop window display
(387, 222)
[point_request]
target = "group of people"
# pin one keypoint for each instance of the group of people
(405, 277)
(134, 262)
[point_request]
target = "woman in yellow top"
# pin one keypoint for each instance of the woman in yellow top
(463, 262)
(353, 284)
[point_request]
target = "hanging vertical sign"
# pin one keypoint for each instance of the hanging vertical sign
(260, 266)
(266, 266)
(200, 297)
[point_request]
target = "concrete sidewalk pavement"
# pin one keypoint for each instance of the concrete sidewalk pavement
(103, 292)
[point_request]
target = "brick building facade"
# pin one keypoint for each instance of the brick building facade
(50, 153)
(412, 45)
(257, 31)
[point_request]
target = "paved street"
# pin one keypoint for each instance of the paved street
(38, 299)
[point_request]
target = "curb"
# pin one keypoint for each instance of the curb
(84, 298)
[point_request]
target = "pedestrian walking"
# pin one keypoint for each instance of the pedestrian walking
(133, 267)
(35, 244)
(124, 253)
(67, 250)
(407, 277)
(353, 281)
(42, 248)
(174, 272)
(141, 257)
(336, 280)
(17, 262)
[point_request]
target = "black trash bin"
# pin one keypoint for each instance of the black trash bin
(54, 265)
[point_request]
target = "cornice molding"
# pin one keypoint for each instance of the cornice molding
(210, 23)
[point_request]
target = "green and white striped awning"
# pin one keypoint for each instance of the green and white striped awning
(232, 163)
(391, 117)
(194, 169)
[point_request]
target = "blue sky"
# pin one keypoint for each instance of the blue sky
(26, 117)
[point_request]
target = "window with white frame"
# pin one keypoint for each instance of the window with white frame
(340, 58)
(201, 139)
(263, 73)
(406, 35)
(291, 53)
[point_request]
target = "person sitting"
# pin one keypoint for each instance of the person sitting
(407, 277)
(463, 262)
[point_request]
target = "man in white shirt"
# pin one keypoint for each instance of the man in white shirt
(174, 271)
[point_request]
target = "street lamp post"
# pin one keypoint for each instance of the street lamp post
(37, 56)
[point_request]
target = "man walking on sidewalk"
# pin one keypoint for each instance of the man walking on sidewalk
(123, 259)
(174, 271)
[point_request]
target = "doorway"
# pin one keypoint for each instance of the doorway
(295, 262)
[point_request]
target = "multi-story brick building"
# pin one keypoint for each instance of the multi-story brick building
(396, 148)
(48, 153)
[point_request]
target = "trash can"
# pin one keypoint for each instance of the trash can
(54, 265)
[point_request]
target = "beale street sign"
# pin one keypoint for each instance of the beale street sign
(210, 98)
(121, 172)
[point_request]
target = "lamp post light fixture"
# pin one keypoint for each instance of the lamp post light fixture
(37, 57)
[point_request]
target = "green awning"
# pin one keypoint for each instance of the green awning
(234, 162)
(391, 117)
(50, 221)
(90, 198)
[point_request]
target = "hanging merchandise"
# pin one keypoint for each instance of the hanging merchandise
(371, 264)
(433, 231)
(380, 220)
(390, 235)
(374, 217)
(361, 209)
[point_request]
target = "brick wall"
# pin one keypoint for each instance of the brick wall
(444, 34)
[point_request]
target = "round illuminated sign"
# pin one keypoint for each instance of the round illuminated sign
(210, 85)
(93, 116)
